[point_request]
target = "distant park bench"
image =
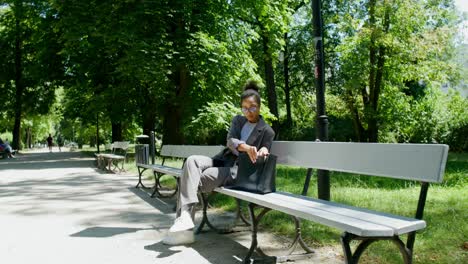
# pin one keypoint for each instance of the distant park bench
(424, 163)
(111, 160)
(4, 154)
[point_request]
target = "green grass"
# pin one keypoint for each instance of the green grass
(446, 211)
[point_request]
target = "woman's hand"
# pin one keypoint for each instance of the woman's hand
(263, 152)
(250, 150)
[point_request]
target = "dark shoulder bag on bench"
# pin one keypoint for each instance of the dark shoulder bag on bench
(257, 178)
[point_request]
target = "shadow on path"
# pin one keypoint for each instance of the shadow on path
(164, 205)
(101, 231)
(213, 247)
(46, 160)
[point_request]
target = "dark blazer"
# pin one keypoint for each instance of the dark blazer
(262, 136)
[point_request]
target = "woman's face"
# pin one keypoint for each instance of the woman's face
(251, 109)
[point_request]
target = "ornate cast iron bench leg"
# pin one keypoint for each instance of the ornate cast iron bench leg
(205, 197)
(275, 259)
(204, 201)
(157, 186)
(254, 226)
(353, 258)
(140, 172)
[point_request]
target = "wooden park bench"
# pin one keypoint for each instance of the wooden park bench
(424, 163)
(170, 151)
(111, 160)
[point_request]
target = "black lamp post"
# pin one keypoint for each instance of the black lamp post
(97, 131)
(323, 178)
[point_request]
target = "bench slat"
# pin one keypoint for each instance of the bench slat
(121, 145)
(103, 155)
(162, 169)
(113, 156)
(110, 156)
(400, 224)
(185, 151)
(421, 162)
(313, 213)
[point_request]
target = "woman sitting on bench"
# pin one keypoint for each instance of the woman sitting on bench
(248, 133)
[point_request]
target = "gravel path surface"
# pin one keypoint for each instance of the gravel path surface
(58, 208)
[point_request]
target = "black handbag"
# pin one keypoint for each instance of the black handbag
(258, 177)
(225, 158)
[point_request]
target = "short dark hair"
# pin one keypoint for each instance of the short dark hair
(251, 89)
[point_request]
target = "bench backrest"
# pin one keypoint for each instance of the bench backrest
(420, 162)
(185, 151)
(120, 148)
(120, 145)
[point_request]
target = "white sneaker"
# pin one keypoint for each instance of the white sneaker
(182, 223)
(179, 238)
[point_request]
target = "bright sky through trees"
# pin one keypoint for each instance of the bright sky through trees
(462, 5)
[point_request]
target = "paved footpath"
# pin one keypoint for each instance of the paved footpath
(58, 208)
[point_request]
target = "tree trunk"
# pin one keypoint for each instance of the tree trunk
(172, 132)
(180, 80)
(116, 131)
(18, 76)
(377, 62)
(270, 83)
(287, 89)
(28, 137)
(149, 122)
(147, 111)
(172, 128)
(357, 122)
(373, 125)
(370, 111)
